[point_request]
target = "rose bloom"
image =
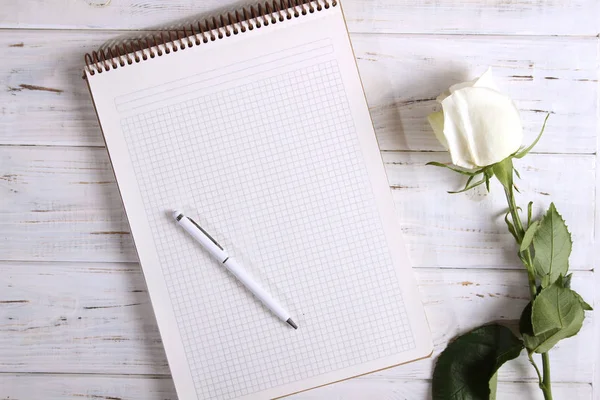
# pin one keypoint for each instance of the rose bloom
(477, 124)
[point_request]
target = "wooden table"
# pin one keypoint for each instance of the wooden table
(75, 317)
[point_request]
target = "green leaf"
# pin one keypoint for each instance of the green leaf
(522, 153)
(529, 212)
(523, 260)
(532, 342)
(525, 327)
(555, 307)
(584, 304)
(504, 172)
(545, 281)
(566, 282)
(493, 386)
(455, 169)
(552, 244)
(465, 370)
(556, 314)
(528, 237)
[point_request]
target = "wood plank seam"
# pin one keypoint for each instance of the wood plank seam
(481, 17)
(566, 387)
(402, 75)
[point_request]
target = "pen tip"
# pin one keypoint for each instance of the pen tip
(292, 323)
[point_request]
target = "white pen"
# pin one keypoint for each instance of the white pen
(217, 251)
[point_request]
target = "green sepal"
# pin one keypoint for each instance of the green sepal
(454, 168)
(489, 174)
(511, 227)
(504, 172)
(523, 152)
(479, 182)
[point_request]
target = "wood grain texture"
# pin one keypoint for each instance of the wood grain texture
(97, 318)
(78, 387)
(43, 99)
(384, 388)
(468, 229)
(574, 17)
(62, 204)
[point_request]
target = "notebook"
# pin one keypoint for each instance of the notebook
(255, 124)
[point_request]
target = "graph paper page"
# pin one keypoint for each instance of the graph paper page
(265, 139)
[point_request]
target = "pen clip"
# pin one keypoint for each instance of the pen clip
(206, 233)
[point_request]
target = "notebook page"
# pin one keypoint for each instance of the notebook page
(265, 139)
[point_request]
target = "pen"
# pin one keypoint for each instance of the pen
(236, 269)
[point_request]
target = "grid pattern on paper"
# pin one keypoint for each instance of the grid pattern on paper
(274, 171)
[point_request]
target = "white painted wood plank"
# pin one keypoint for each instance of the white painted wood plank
(76, 387)
(43, 99)
(468, 229)
(61, 204)
(97, 318)
(403, 75)
(393, 389)
(41, 89)
(574, 17)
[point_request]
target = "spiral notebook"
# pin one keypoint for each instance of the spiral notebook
(255, 124)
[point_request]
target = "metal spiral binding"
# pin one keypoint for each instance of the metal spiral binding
(199, 32)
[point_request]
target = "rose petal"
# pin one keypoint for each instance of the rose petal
(481, 126)
(453, 133)
(436, 120)
(442, 96)
(486, 80)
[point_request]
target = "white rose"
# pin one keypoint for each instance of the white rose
(478, 125)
